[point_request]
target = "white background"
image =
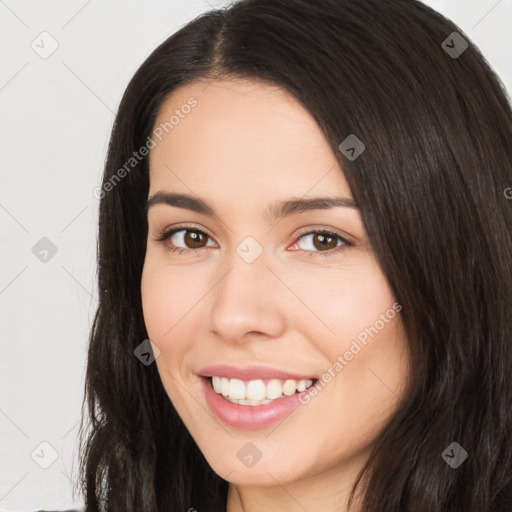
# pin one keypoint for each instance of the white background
(56, 116)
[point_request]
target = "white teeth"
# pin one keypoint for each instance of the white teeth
(217, 384)
(255, 392)
(249, 402)
(236, 389)
(224, 386)
(274, 389)
(289, 387)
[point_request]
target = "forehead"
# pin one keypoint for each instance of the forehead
(241, 136)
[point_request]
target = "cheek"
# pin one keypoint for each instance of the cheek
(345, 301)
(164, 303)
(172, 310)
(167, 294)
(358, 329)
(154, 303)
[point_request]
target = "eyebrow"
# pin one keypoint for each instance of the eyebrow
(274, 211)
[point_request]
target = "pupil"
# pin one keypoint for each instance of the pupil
(324, 241)
(193, 238)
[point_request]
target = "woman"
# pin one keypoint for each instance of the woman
(304, 210)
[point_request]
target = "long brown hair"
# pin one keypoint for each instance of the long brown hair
(437, 127)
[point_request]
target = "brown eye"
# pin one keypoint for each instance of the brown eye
(194, 239)
(322, 243)
(183, 239)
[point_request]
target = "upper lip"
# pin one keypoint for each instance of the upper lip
(250, 373)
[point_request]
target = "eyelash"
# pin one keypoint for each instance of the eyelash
(164, 235)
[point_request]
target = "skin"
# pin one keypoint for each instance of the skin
(244, 146)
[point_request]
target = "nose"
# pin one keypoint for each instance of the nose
(249, 301)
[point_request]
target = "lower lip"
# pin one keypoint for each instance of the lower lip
(249, 416)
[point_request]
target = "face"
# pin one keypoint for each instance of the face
(300, 293)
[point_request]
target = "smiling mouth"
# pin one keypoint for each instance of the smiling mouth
(259, 391)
